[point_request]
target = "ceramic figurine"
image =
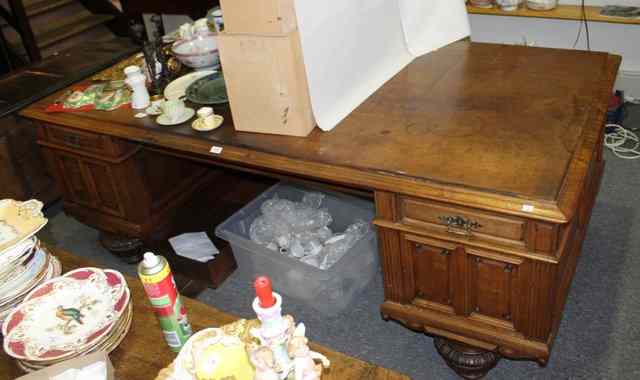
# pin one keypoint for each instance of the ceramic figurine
(265, 364)
(304, 366)
(137, 82)
(274, 332)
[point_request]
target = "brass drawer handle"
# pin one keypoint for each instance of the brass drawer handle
(459, 225)
(445, 252)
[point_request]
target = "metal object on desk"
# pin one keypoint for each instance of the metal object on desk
(459, 225)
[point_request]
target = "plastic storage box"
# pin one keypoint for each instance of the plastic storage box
(328, 291)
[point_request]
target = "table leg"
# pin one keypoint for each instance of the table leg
(128, 249)
(468, 362)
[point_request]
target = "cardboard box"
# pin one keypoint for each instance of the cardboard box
(263, 17)
(79, 362)
(267, 83)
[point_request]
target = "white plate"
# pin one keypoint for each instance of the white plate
(188, 114)
(178, 87)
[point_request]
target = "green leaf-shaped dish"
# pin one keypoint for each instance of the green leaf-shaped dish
(208, 90)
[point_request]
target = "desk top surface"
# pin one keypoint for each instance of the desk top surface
(489, 126)
(143, 352)
(38, 80)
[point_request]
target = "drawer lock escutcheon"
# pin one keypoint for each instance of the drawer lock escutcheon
(459, 225)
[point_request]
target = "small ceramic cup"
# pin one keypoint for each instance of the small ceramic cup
(173, 108)
(201, 27)
(186, 31)
(206, 116)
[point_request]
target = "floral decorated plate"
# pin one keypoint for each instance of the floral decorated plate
(111, 343)
(65, 315)
(19, 221)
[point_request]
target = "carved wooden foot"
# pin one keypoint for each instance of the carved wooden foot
(128, 249)
(468, 362)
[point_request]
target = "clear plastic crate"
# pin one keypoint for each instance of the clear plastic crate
(328, 291)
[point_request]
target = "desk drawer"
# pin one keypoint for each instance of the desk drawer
(462, 221)
(85, 142)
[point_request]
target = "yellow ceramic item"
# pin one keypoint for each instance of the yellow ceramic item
(19, 221)
(220, 361)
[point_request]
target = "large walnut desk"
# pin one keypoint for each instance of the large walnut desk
(484, 160)
(143, 352)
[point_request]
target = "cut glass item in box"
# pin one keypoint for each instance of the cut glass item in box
(301, 230)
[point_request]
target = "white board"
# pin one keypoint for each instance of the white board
(352, 47)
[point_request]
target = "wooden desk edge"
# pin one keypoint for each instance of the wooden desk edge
(360, 178)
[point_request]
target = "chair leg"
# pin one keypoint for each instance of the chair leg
(24, 28)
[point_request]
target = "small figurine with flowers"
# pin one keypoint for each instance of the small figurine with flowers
(270, 348)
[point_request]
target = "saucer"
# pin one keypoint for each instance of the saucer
(198, 125)
(153, 110)
(178, 87)
(188, 114)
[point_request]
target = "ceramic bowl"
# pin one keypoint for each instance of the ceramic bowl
(199, 52)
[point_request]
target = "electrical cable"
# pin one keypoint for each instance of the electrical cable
(583, 21)
(622, 142)
(575, 43)
(586, 25)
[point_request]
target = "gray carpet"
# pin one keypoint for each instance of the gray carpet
(598, 339)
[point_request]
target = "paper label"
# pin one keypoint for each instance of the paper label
(216, 149)
(528, 208)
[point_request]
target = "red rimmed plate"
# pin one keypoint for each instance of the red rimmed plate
(66, 315)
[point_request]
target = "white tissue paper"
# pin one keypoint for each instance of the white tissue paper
(94, 371)
(352, 47)
(194, 245)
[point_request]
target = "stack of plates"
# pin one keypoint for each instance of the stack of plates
(22, 269)
(24, 264)
(84, 311)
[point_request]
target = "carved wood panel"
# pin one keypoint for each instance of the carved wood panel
(89, 183)
(104, 188)
(493, 289)
(75, 184)
(432, 270)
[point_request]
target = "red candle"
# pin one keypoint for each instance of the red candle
(264, 291)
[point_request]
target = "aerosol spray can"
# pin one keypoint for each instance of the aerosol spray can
(160, 287)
